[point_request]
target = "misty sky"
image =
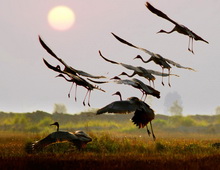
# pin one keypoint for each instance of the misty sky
(27, 85)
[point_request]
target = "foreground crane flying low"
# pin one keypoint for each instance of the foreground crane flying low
(146, 73)
(143, 114)
(78, 139)
(178, 27)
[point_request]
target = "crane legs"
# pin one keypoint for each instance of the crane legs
(152, 131)
(191, 50)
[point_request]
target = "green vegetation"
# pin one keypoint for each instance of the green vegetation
(38, 122)
(183, 142)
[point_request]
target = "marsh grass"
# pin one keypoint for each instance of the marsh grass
(112, 150)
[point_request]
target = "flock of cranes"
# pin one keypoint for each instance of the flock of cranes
(143, 114)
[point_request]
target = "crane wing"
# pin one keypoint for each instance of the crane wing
(68, 68)
(52, 67)
(130, 67)
(82, 73)
(122, 107)
(157, 73)
(142, 118)
(131, 45)
(178, 65)
(113, 62)
(147, 89)
(51, 52)
(159, 13)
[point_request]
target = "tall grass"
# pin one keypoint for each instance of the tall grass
(112, 150)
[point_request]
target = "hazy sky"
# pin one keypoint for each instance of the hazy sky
(26, 84)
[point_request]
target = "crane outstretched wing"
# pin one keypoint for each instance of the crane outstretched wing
(68, 68)
(157, 73)
(113, 62)
(178, 65)
(83, 73)
(51, 52)
(159, 13)
(122, 107)
(52, 67)
(131, 45)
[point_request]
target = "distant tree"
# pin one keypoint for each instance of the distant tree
(176, 109)
(170, 98)
(217, 110)
(59, 108)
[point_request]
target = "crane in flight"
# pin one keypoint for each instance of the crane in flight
(143, 114)
(146, 73)
(136, 83)
(75, 79)
(178, 27)
(67, 68)
(156, 58)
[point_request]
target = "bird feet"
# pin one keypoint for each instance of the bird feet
(154, 137)
(191, 50)
(148, 132)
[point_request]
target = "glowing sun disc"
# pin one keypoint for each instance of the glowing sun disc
(61, 18)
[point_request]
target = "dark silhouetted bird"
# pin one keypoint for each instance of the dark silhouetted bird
(75, 79)
(148, 74)
(143, 114)
(178, 27)
(67, 68)
(164, 63)
(78, 138)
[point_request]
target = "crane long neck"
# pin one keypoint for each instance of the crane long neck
(134, 73)
(145, 61)
(167, 32)
(57, 127)
(70, 80)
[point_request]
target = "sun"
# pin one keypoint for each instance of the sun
(61, 18)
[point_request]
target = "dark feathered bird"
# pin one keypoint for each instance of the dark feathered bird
(178, 27)
(157, 58)
(164, 63)
(138, 84)
(82, 82)
(75, 79)
(78, 138)
(67, 68)
(143, 114)
(148, 74)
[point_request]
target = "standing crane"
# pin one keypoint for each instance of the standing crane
(78, 138)
(143, 114)
(148, 74)
(178, 27)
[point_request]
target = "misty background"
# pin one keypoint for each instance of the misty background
(28, 85)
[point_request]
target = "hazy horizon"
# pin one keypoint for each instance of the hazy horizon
(28, 85)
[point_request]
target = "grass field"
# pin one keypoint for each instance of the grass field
(114, 150)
